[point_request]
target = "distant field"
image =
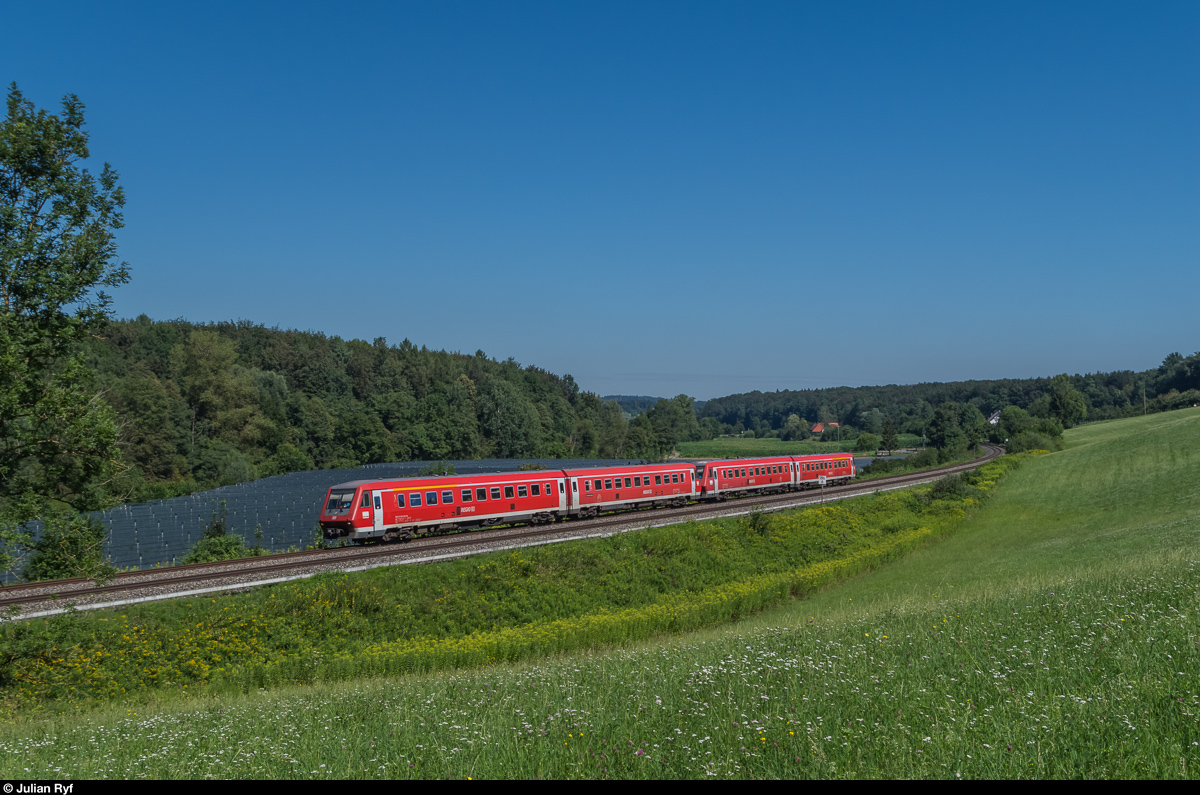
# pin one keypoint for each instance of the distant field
(728, 447)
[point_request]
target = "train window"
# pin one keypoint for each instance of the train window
(378, 502)
(536, 490)
(637, 481)
(508, 492)
(658, 480)
(575, 486)
(399, 500)
(414, 500)
(495, 492)
(607, 483)
(466, 495)
(587, 485)
(561, 488)
(628, 482)
(365, 502)
(674, 478)
(447, 498)
(431, 498)
(522, 491)
(339, 500)
(481, 495)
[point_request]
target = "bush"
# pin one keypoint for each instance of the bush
(1034, 440)
(217, 544)
(926, 458)
(866, 442)
(210, 550)
(70, 545)
(758, 521)
(952, 487)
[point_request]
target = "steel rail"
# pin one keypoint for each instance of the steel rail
(299, 561)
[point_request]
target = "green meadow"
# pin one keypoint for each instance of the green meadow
(1033, 621)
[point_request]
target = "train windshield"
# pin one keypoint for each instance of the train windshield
(700, 471)
(339, 500)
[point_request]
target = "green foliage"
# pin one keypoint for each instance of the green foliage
(57, 254)
(926, 459)
(218, 524)
(503, 605)
(956, 428)
(217, 544)
(438, 468)
(726, 447)
(1066, 402)
(1106, 627)
(867, 442)
(955, 486)
(759, 521)
(891, 439)
(70, 545)
(211, 550)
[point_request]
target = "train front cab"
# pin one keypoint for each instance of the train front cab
(365, 510)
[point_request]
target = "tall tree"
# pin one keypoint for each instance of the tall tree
(1066, 402)
(890, 441)
(57, 253)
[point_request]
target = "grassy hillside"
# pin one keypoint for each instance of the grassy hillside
(1056, 634)
(1124, 497)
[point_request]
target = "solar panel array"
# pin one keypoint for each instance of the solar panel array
(285, 507)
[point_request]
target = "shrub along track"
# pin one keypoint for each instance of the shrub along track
(245, 572)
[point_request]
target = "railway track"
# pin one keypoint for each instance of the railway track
(247, 572)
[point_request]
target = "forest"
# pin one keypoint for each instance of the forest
(212, 404)
(1174, 384)
(201, 405)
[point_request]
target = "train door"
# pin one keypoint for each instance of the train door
(562, 495)
(377, 502)
(574, 496)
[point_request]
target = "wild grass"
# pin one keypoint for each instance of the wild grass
(1095, 678)
(1054, 635)
(470, 612)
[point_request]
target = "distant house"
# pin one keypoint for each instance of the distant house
(821, 426)
(994, 419)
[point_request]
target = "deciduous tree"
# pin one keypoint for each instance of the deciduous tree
(57, 254)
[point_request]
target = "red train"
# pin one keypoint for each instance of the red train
(391, 510)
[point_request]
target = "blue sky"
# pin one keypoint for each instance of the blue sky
(658, 198)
